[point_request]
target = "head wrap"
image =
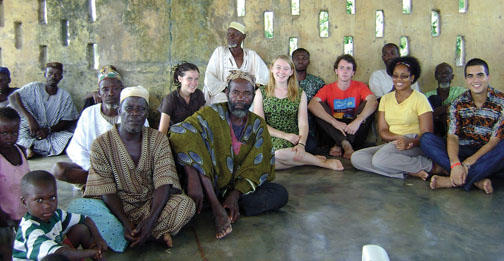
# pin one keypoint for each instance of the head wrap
(240, 27)
(237, 74)
(136, 91)
(108, 72)
(5, 70)
(55, 65)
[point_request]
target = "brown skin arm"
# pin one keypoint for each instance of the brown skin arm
(231, 204)
(115, 205)
(63, 125)
(15, 101)
(144, 229)
(383, 128)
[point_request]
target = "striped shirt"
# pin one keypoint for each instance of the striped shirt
(48, 110)
(475, 126)
(35, 240)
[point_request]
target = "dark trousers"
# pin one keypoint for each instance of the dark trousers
(440, 121)
(357, 140)
(268, 196)
(492, 162)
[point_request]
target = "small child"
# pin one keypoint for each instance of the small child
(45, 229)
(13, 166)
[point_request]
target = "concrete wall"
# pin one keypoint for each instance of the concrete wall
(146, 38)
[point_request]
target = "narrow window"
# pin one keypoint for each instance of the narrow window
(65, 32)
(92, 56)
(92, 11)
(18, 35)
(460, 51)
(268, 24)
(240, 7)
(295, 7)
(403, 46)
(42, 12)
(348, 45)
(2, 18)
(380, 26)
(435, 23)
(350, 6)
(293, 44)
(406, 6)
(463, 6)
(42, 56)
(324, 24)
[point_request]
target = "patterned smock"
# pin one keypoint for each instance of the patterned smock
(281, 114)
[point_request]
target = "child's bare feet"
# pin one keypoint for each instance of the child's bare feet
(485, 185)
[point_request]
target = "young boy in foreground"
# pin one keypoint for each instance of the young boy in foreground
(45, 229)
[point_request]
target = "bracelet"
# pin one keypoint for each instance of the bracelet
(301, 144)
(455, 164)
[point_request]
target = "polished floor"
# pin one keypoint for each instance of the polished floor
(331, 215)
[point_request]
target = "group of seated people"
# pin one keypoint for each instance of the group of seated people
(219, 147)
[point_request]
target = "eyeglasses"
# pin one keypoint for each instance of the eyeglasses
(402, 76)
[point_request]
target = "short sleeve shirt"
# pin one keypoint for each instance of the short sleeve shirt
(344, 103)
(402, 118)
(473, 125)
(176, 107)
(311, 85)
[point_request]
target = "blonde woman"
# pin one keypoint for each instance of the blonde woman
(284, 107)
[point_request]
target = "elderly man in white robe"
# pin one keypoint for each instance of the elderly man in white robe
(94, 121)
(232, 57)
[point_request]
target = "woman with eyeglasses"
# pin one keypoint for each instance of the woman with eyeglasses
(403, 116)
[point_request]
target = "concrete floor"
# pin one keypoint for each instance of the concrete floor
(331, 215)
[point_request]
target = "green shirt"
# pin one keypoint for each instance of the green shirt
(311, 85)
(455, 91)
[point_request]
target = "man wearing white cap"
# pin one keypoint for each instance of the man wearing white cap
(232, 57)
(133, 172)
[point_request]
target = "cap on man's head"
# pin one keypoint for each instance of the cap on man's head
(237, 74)
(136, 91)
(55, 65)
(5, 71)
(240, 27)
(108, 72)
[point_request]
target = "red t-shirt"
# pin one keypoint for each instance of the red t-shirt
(344, 103)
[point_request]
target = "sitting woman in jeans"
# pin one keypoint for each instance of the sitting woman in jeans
(403, 116)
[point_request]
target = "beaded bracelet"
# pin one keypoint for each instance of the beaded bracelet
(455, 164)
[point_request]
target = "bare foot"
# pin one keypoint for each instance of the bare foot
(437, 182)
(485, 185)
(421, 174)
(29, 153)
(347, 147)
(222, 223)
(335, 151)
(320, 157)
(334, 164)
(168, 240)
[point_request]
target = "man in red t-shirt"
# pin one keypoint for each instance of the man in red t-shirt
(343, 108)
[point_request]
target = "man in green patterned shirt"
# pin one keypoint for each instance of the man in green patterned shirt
(441, 97)
(311, 84)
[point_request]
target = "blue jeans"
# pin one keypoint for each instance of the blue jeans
(492, 162)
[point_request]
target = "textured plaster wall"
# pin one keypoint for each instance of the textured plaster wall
(146, 38)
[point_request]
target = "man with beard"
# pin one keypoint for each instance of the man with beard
(94, 121)
(232, 57)
(49, 114)
(380, 82)
(443, 96)
(227, 155)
